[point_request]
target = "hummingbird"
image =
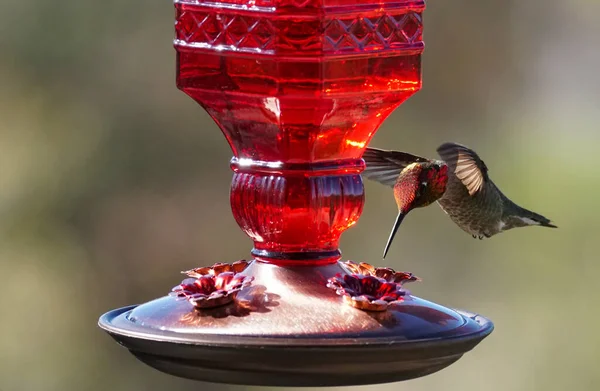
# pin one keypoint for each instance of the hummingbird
(460, 184)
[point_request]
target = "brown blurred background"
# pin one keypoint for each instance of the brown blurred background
(112, 180)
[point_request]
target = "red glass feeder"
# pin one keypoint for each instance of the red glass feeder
(298, 88)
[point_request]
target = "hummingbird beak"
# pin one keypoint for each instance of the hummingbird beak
(393, 233)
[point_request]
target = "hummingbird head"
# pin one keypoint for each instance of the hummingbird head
(418, 185)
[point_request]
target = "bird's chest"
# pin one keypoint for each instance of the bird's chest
(477, 214)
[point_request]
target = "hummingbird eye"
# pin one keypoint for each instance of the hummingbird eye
(422, 187)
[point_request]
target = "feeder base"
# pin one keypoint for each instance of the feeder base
(304, 335)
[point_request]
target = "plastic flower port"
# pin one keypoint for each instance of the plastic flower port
(388, 274)
(218, 268)
(214, 286)
(369, 288)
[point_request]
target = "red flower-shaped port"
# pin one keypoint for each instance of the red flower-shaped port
(213, 286)
(388, 274)
(218, 268)
(369, 288)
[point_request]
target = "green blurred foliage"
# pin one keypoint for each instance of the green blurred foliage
(111, 181)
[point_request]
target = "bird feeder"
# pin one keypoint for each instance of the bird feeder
(298, 88)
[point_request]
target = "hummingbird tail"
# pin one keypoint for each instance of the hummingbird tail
(532, 218)
(548, 224)
(393, 233)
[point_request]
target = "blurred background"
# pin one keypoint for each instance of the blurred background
(112, 180)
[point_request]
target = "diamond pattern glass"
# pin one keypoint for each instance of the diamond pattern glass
(298, 87)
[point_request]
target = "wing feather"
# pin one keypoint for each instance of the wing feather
(385, 166)
(466, 165)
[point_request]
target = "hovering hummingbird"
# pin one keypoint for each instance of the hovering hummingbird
(459, 183)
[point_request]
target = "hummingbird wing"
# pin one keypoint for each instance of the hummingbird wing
(466, 165)
(385, 166)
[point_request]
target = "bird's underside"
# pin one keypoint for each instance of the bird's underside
(480, 214)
